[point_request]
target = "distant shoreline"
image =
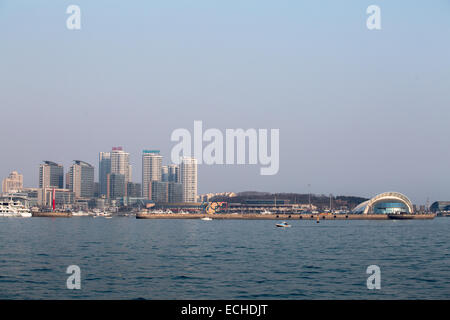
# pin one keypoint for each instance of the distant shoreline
(249, 216)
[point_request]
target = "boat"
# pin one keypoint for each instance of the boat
(102, 214)
(206, 219)
(157, 211)
(400, 216)
(14, 208)
(80, 214)
(284, 224)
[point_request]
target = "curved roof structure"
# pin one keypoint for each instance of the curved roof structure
(368, 206)
(82, 163)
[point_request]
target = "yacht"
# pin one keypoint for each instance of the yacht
(206, 219)
(13, 208)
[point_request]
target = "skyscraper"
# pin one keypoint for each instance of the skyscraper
(173, 173)
(120, 163)
(175, 192)
(160, 191)
(116, 186)
(81, 183)
(104, 168)
(151, 170)
(164, 173)
(51, 174)
(188, 177)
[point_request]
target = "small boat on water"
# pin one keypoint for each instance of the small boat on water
(206, 219)
(400, 216)
(284, 224)
(80, 214)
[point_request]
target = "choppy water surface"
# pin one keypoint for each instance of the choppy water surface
(125, 258)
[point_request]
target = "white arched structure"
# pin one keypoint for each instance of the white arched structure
(367, 206)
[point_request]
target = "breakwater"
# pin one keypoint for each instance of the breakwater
(52, 214)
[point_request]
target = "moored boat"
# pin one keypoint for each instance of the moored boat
(13, 208)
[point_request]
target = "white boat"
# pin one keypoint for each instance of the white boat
(284, 224)
(206, 219)
(102, 214)
(14, 208)
(80, 214)
(157, 212)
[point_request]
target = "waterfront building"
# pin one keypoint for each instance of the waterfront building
(188, 177)
(385, 203)
(51, 174)
(151, 171)
(104, 168)
(13, 183)
(440, 206)
(63, 197)
(81, 179)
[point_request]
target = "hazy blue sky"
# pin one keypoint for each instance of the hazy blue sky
(360, 112)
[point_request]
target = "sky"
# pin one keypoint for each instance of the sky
(359, 111)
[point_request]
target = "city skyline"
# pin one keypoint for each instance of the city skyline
(174, 174)
(359, 111)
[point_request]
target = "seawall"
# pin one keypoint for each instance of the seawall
(52, 214)
(225, 216)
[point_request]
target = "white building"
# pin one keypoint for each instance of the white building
(13, 183)
(151, 170)
(120, 163)
(188, 177)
